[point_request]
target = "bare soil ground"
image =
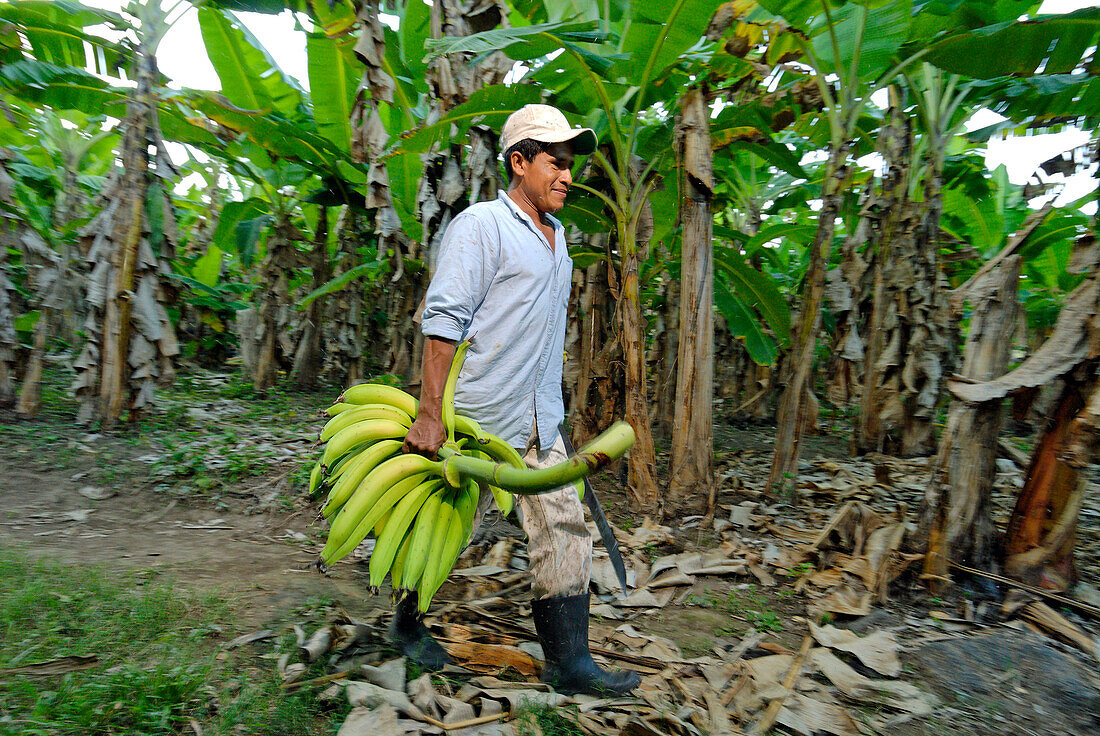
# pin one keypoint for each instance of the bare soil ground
(209, 492)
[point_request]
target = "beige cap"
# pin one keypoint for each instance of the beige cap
(545, 124)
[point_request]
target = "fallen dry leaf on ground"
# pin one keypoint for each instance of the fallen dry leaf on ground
(878, 650)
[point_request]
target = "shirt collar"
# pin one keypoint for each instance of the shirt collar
(521, 215)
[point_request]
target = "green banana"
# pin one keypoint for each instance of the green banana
(468, 498)
(335, 409)
(422, 511)
(345, 439)
(364, 413)
(470, 428)
(316, 477)
(428, 584)
(384, 501)
(397, 571)
(368, 502)
(377, 393)
(394, 532)
(501, 451)
(347, 530)
(354, 471)
(453, 543)
(339, 465)
(421, 544)
(505, 501)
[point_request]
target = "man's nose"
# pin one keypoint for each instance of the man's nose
(567, 177)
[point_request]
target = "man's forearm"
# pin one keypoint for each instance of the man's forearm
(438, 354)
(427, 435)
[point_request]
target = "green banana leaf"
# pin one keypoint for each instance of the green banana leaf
(490, 106)
(521, 44)
(249, 77)
(208, 266)
(754, 289)
(55, 31)
(226, 237)
(1046, 45)
(871, 38)
(370, 268)
(743, 325)
(334, 74)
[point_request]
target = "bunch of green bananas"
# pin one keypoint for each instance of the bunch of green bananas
(421, 510)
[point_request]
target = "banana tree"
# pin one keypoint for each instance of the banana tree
(892, 266)
(276, 137)
(859, 44)
(130, 340)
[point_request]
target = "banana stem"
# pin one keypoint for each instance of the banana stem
(449, 389)
(611, 445)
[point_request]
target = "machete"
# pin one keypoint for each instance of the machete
(607, 536)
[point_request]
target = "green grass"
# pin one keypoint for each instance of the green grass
(747, 604)
(160, 663)
(533, 719)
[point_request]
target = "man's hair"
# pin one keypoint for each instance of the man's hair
(528, 148)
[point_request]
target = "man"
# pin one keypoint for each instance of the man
(502, 280)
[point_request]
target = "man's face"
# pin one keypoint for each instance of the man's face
(546, 180)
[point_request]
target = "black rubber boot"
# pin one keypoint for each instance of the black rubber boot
(562, 626)
(408, 634)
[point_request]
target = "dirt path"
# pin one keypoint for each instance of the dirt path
(261, 559)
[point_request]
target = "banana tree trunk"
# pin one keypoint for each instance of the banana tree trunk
(274, 348)
(666, 342)
(307, 359)
(30, 391)
(596, 390)
(345, 362)
(117, 327)
(692, 473)
(44, 278)
(910, 336)
(130, 340)
(71, 307)
(642, 482)
(8, 339)
(881, 377)
(956, 518)
(1039, 541)
(797, 405)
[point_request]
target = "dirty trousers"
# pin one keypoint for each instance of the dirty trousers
(559, 545)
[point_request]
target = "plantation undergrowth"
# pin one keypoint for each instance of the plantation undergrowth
(161, 665)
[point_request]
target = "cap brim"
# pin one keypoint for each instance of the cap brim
(583, 140)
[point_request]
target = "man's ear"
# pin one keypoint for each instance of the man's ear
(519, 164)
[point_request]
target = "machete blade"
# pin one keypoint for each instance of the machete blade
(607, 536)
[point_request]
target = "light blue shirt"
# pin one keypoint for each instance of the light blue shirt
(499, 283)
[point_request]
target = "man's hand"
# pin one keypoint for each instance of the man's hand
(427, 434)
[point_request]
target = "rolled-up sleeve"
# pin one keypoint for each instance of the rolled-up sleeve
(464, 271)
